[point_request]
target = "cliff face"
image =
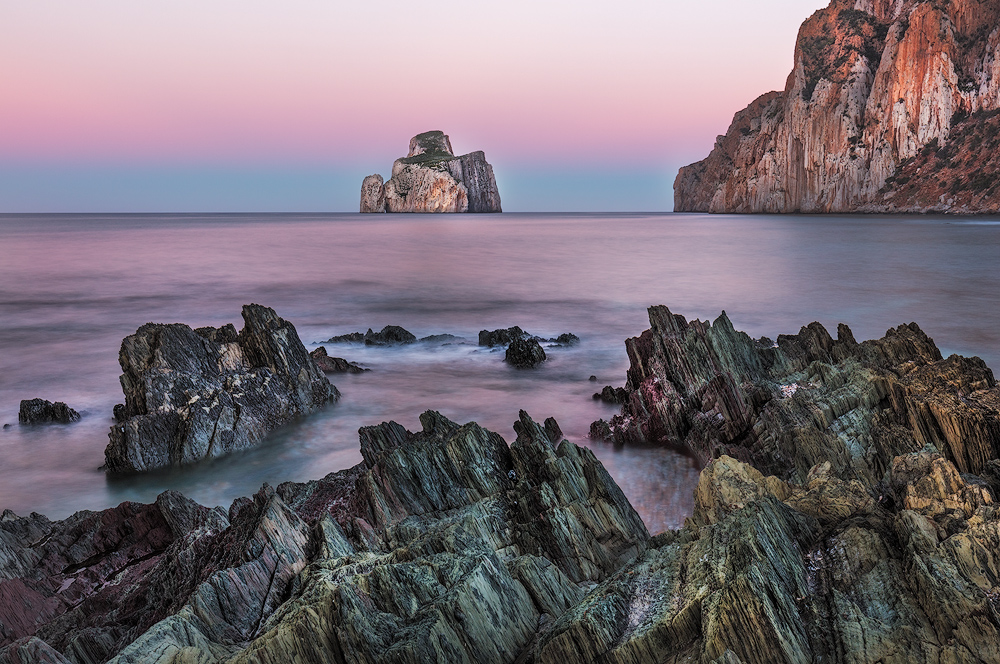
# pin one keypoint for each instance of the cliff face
(874, 83)
(430, 178)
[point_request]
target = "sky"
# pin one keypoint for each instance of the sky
(247, 105)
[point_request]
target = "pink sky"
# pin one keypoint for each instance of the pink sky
(629, 84)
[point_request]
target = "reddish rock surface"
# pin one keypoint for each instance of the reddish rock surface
(875, 83)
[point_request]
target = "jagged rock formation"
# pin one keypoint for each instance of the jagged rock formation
(40, 411)
(430, 178)
(875, 84)
(805, 400)
(194, 394)
(329, 364)
(859, 525)
(444, 545)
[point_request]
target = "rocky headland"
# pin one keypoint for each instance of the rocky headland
(890, 107)
(430, 178)
(196, 394)
(846, 513)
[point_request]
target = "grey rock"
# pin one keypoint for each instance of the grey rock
(329, 364)
(193, 395)
(501, 337)
(524, 353)
(390, 335)
(40, 411)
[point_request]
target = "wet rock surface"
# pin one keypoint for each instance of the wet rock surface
(329, 364)
(40, 411)
(432, 179)
(846, 513)
(195, 394)
(524, 353)
(389, 335)
(446, 544)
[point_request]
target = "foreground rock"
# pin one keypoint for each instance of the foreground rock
(432, 179)
(890, 107)
(40, 411)
(443, 545)
(806, 400)
(195, 394)
(524, 353)
(329, 364)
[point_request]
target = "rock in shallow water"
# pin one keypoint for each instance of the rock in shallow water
(191, 395)
(40, 411)
(524, 353)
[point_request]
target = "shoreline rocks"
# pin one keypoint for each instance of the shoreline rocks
(196, 394)
(847, 511)
(41, 411)
(430, 178)
(446, 542)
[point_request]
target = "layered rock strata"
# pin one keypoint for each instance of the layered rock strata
(430, 178)
(807, 399)
(876, 85)
(443, 545)
(196, 394)
(41, 411)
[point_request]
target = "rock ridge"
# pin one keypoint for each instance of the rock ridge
(196, 394)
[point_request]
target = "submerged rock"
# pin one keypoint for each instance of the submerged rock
(329, 364)
(432, 179)
(191, 395)
(40, 411)
(443, 545)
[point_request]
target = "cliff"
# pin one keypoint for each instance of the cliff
(879, 89)
(430, 178)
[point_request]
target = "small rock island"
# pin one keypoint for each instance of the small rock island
(430, 178)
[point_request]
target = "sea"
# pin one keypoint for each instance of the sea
(73, 286)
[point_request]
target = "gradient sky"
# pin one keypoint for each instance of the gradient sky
(226, 105)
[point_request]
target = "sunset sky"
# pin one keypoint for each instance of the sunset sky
(219, 105)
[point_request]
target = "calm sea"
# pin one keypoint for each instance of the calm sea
(72, 286)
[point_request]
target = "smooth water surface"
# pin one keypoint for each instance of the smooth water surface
(71, 287)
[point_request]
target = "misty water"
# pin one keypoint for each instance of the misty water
(72, 286)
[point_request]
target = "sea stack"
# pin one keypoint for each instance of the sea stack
(892, 106)
(430, 178)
